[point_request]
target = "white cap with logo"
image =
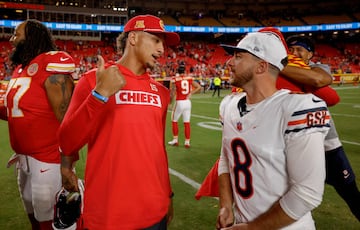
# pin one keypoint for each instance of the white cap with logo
(266, 46)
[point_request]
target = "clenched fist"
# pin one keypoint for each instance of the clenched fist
(109, 80)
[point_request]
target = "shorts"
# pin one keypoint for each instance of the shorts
(38, 184)
(338, 168)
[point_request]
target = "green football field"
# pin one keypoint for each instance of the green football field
(190, 166)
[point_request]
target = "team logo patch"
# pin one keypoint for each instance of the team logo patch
(239, 126)
(153, 87)
(139, 24)
(346, 174)
(32, 69)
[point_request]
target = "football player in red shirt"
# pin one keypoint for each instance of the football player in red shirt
(183, 85)
(36, 99)
(119, 111)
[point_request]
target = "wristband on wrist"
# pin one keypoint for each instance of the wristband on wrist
(99, 96)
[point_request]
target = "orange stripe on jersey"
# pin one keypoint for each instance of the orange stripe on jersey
(297, 122)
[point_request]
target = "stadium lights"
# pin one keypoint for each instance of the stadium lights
(122, 9)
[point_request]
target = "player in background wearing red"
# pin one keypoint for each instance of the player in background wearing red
(36, 100)
(183, 85)
(119, 112)
(272, 163)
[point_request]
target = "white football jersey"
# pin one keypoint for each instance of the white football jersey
(255, 145)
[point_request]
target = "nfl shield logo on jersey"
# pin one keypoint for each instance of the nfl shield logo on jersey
(239, 126)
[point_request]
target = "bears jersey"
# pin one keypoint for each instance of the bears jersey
(183, 85)
(31, 120)
(255, 144)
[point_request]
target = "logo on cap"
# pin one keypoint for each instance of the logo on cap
(139, 24)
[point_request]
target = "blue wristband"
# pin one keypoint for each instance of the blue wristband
(99, 96)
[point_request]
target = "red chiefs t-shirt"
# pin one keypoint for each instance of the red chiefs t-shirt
(127, 184)
(31, 120)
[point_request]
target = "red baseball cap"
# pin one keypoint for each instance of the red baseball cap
(151, 24)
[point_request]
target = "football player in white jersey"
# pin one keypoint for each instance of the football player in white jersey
(272, 166)
(339, 172)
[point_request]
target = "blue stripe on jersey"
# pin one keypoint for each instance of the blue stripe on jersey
(307, 127)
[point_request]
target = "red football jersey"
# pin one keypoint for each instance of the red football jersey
(31, 120)
(183, 86)
(127, 184)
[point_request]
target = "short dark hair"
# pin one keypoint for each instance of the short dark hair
(181, 69)
(299, 40)
(121, 42)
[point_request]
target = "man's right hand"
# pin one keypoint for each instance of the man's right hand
(109, 80)
(68, 177)
(225, 218)
(69, 180)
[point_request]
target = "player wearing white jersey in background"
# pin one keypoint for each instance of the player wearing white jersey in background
(183, 86)
(272, 163)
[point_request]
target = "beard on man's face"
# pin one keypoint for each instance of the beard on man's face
(17, 55)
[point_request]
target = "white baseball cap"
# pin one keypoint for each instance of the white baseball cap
(266, 46)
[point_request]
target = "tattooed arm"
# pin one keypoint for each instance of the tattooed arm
(59, 88)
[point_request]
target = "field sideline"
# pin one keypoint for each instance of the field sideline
(190, 166)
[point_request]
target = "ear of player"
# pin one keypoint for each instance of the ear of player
(68, 208)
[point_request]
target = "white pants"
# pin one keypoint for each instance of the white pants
(38, 184)
(182, 108)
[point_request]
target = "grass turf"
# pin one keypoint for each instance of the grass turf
(195, 163)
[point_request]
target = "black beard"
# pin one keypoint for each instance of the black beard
(17, 55)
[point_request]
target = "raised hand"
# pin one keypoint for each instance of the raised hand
(109, 80)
